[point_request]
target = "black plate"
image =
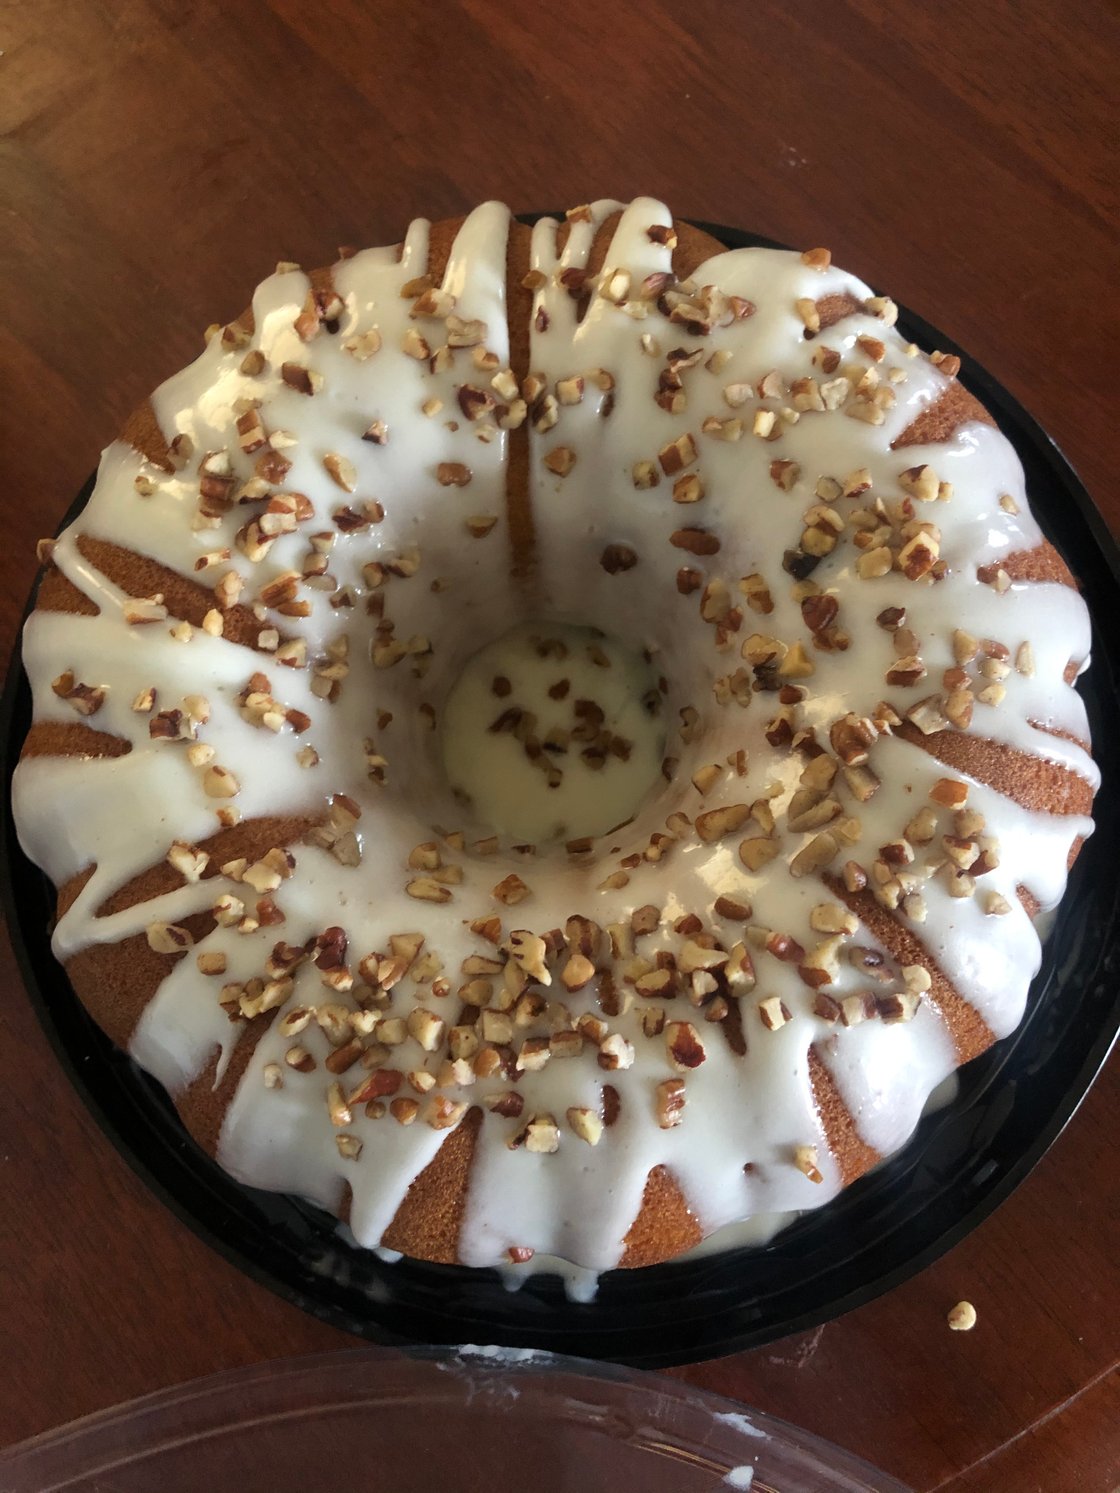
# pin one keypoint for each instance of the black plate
(1011, 1105)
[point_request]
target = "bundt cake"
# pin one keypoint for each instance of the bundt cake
(555, 739)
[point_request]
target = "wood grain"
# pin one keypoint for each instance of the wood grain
(156, 158)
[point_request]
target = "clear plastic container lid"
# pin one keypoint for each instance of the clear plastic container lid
(477, 1420)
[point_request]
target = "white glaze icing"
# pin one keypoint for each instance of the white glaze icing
(489, 766)
(754, 1109)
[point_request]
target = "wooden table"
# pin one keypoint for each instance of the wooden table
(157, 157)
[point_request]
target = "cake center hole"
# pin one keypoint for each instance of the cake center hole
(554, 732)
